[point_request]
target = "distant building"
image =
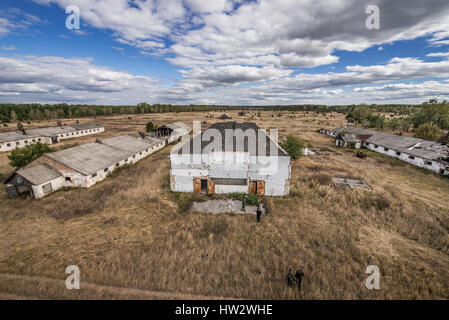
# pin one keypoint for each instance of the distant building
(429, 155)
(172, 131)
(224, 166)
(224, 116)
(21, 138)
(81, 166)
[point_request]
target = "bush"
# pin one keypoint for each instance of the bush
(150, 126)
(21, 157)
(428, 131)
(293, 146)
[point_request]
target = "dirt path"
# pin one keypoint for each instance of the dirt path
(37, 287)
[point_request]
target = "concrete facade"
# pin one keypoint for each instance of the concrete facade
(17, 139)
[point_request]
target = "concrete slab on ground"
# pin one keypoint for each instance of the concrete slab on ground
(224, 206)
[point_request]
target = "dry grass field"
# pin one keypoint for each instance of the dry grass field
(134, 239)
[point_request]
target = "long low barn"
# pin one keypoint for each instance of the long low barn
(80, 166)
(426, 154)
(21, 138)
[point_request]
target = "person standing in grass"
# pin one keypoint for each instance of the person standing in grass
(259, 212)
(291, 280)
(244, 203)
(298, 275)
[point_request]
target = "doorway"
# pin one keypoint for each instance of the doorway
(257, 187)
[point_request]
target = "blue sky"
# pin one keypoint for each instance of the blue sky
(224, 52)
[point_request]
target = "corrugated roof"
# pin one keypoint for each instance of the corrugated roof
(128, 143)
(89, 158)
(229, 141)
(38, 174)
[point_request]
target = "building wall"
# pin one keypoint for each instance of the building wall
(28, 141)
(276, 180)
(56, 184)
(417, 161)
(79, 133)
(22, 143)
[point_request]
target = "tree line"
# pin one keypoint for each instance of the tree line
(429, 120)
(34, 111)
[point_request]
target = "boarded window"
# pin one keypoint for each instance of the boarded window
(46, 188)
(411, 157)
(386, 149)
(106, 169)
(398, 153)
(229, 181)
(429, 163)
(94, 175)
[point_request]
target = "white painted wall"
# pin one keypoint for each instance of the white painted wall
(56, 184)
(417, 161)
(274, 175)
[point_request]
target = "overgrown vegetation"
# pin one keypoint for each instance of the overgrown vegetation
(293, 146)
(21, 157)
(150, 126)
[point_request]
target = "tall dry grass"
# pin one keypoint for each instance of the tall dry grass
(130, 231)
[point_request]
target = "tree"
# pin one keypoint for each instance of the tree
(428, 131)
(150, 126)
(21, 157)
(293, 146)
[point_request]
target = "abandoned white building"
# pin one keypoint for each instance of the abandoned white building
(171, 131)
(80, 166)
(21, 138)
(255, 164)
(429, 155)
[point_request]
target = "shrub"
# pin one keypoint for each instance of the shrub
(293, 146)
(428, 131)
(150, 126)
(21, 157)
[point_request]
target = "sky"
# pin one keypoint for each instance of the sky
(227, 52)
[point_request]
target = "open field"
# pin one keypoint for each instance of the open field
(132, 238)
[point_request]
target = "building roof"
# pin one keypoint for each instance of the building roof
(228, 142)
(45, 131)
(176, 126)
(89, 158)
(428, 150)
(348, 137)
(50, 131)
(38, 174)
(11, 136)
(86, 126)
(128, 143)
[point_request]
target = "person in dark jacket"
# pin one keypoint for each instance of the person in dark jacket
(245, 198)
(298, 275)
(259, 212)
(291, 280)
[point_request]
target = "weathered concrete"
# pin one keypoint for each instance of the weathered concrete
(223, 206)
